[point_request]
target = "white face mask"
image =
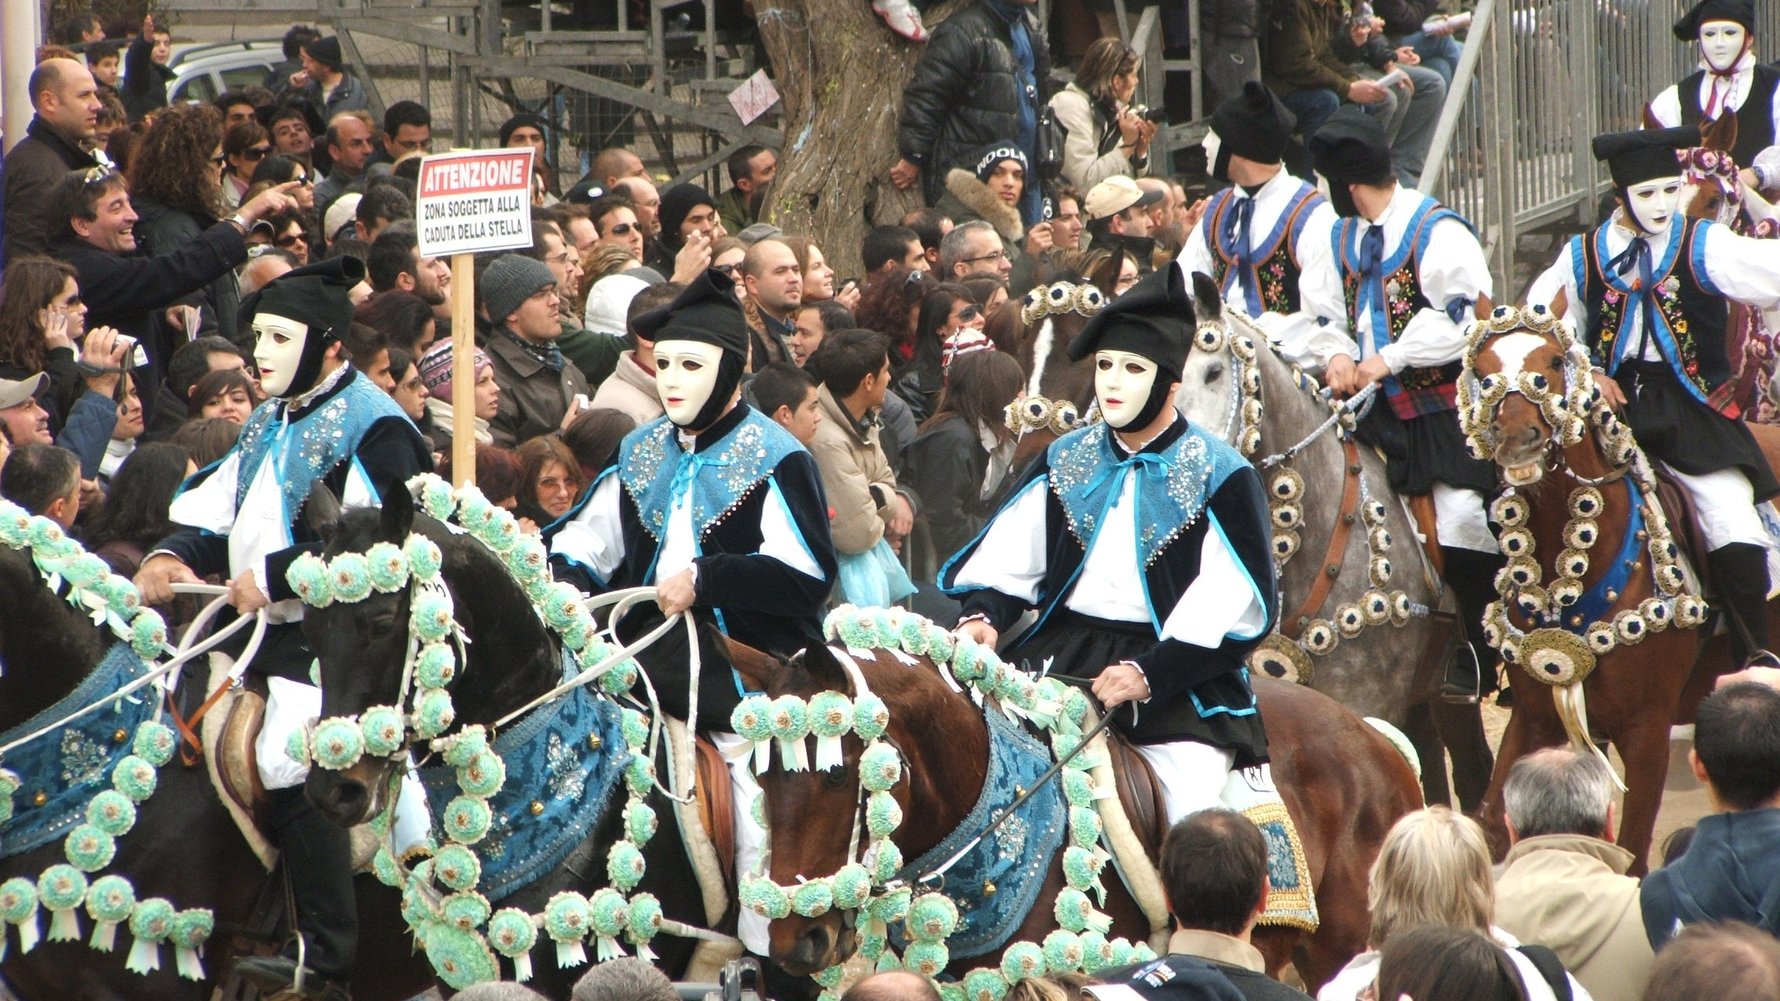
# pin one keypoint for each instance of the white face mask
(278, 350)
(1721, 43)
(1122, 384)
(1654, 203)
(685, 375)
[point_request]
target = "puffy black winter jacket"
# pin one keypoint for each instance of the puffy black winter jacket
(966, 92)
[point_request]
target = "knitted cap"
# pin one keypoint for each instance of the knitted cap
(518, 122)
(327, 52)
(983, 160)
(608, 303)
(677, 203)
(435, 368)
(1351, 148)
(508, 282)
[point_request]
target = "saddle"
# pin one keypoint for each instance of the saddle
(1140, 794)
(716, 805)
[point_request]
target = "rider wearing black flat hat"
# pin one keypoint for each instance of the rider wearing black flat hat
(1411, 272)
(1144, 545)
(242, 518)
(1648, 290)
(1733, 98)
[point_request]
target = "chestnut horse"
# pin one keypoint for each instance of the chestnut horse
(1655, 674)
(1343, 783)
(184, 845)
(1714, 190)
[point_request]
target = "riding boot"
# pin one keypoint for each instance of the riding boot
(318, 870)
(1740, 578)
(1471, 673)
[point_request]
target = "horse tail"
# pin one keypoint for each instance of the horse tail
(1400, 741)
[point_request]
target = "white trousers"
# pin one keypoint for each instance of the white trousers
(1461, 521)
(750, 837)
(1725, 505)
(1192, 775)
(290, 705)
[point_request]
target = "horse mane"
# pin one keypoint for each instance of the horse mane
(46, 645)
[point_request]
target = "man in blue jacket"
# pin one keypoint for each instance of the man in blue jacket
(1731, 870)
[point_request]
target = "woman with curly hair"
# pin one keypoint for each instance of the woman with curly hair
(176, 189)
(889, 306)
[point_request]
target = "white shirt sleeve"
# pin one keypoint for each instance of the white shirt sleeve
(210, 505)
(1666, 108)
(780, 539)
(1746, 270)
(1453, 266)
(1222, 602)
(1011, 556)
(1196, 255)
(1560, 277)
(594, 538)
(1318, 331)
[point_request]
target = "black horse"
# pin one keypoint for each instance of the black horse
(512, 659)
(183, 847)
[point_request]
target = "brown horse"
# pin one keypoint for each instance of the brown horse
(183, 847)
(1714, 190)
(1654, 675)
(1343, 784)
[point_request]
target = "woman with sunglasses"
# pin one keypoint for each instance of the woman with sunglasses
(245, 147)
(949, 325)
(278, 169)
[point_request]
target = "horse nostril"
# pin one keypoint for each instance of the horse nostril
(349, 799)
(812, 946)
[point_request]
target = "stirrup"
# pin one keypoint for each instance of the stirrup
(1458, 693)
(1762, 657)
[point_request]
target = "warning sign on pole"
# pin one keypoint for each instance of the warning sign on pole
(472, 201)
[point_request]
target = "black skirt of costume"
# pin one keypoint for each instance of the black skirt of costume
(1673, 427)
(1081, 646)
(1423, 451)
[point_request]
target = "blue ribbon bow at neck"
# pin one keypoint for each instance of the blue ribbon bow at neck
(686, 469)
(1637, 255)
(1137, 460)
(1238, 236)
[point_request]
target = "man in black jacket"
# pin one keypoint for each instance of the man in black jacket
(984, 77)
(93, 230)
(67, 103)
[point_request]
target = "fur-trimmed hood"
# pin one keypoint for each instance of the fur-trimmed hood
(975, 196)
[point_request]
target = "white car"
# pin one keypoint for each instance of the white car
(203, 72)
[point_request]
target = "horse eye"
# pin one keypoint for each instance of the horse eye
(835, 778)
(1214, 372)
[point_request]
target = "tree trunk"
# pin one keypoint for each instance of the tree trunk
(840, 73)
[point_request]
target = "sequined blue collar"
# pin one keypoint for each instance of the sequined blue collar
(1175, 474)
(721, 472)
(314, 441)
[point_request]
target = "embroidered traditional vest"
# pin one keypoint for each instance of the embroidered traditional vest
(1691, 314)
(1755, 119)
(1272, 262)
(655, 469)
(1393, 302)
(314, 443)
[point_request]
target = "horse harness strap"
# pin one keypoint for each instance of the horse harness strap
(1293, 626)
(716, 804)
(191, 749)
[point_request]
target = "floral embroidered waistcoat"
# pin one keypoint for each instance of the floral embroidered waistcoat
(1272, 263)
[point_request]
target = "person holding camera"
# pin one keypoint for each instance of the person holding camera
(1106, 133)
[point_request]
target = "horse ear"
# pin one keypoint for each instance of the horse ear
(321, 512)
(398, 514)
(824, 670)
(1207, 303)
(762, 671)
(1483, 308)
(1560, 304)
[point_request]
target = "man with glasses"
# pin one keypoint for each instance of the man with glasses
(973, 248)
(594, 353)
(538, 383)
(123, 289)
(615, 220)
(67, 104)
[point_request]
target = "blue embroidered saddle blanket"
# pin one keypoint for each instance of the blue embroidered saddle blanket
(553, 762)
(68, 767)
(997, 881)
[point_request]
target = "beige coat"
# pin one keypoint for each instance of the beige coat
(629, 390)
(1570, 893)
(851, 466)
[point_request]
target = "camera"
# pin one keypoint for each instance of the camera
(1157, 115)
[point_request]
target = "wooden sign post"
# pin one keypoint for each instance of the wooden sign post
(471, 202)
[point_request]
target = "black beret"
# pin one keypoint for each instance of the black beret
(1644, 155)
(707, 311)
(1741, 11)
(1154, 319)
(317, 294)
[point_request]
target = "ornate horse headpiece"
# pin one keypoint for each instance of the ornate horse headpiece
(1564, 412)
(1035, 412)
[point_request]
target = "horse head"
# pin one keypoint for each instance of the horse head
(367, 649)
(1711, 188)
(1526, 388)
(1220, 383)
(1059, 393)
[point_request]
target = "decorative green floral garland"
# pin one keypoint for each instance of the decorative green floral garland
(92, 846)
(1557, 655)
(1079, 945)
(454, 923)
